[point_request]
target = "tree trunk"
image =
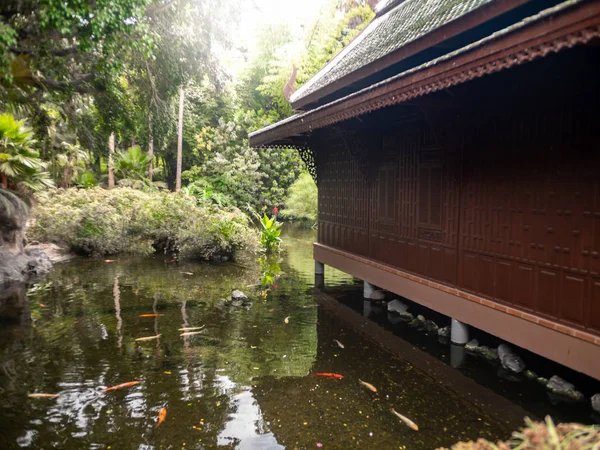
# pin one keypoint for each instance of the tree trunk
(4, 180)
(179, 141)
(65, 180)
(111, 162)
(150, 151)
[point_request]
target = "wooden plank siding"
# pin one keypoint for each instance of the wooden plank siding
(510, 213)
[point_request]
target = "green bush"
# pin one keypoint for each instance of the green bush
(302, 202)
(103, 222)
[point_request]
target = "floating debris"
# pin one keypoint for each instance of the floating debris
(122, 386)
(286, 320)
(191, 328)
(151, 315)
(340, 345)
(405, 419)
(369, 386)
(43, 395)
(337, 376)
(162, 415)
(147, 338)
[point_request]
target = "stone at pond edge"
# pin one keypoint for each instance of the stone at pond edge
(488, 353)
(24, 267)
(377, 295)
(542, 381)
(238, 295)
(444, 332)
(397, 306)
(530, 375)
(559, 386)
(596, 402)
(472, 345)
(430, 326)
(510, 360)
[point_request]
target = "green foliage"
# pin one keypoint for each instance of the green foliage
(132, 163)
(270, 232)
(87, 180)
(302, 202)
(100, 222)
(20, 165)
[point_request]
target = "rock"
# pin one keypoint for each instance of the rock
(472, 345)
(510, 360)
(406, 315)
(377, 295)
(421, 318)
(56, 253)
(559, 386)
(596, 402)
(543, 381)
(238, 295)
(444, 332)
(488, 353)
(397, 306)
(430, 326)
(530, 375)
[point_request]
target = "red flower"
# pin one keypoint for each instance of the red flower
(275, 286)
(275, 210)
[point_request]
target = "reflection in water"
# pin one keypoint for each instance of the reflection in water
(243, 382)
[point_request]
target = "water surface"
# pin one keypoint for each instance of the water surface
(245, 382)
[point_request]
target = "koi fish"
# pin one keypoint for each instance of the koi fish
(337, 376)
(271, 310)
(42, 305)
(122, 386)
(340, 345)
(111, 260)
(191, 328)
(286, 320)
(147, 338)
(162, 415)
(188, 273)
(151, 315)
(173, 260)
(191, 333)
(43, 395)
(369, 386)
(406, 420)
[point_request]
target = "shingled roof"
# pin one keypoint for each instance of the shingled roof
(397, 24)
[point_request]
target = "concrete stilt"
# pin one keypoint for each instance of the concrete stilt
(319, 268)
(368, 289)
(457, 355)
(319, 275)
(459, 333)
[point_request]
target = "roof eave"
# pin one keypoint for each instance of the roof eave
(572, 22)
(435, 37)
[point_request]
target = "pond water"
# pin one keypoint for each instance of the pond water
(244, 381)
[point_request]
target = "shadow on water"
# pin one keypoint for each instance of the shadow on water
(244, 381)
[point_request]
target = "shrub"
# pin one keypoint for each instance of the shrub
(102, 222)
(302, 202)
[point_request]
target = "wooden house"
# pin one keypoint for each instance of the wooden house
(456, 148)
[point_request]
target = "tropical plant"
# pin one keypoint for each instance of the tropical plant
(20, 164)
(302, 201)
(204, 191)
(270, 229)
(132, 163)
(72, 161)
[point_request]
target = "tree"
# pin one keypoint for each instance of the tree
(20, 164)
(132, 164)
(179, 141)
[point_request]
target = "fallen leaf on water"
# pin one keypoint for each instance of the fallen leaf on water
(43, 395)
(287, 319)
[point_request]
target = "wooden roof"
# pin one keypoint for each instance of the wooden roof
(401, 29)
(554, 29)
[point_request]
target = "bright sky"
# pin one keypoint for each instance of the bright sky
(256, 13)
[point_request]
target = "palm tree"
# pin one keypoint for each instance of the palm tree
(132, 164)
(72, 161)
(19, 161)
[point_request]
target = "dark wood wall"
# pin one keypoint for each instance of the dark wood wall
(499, 196)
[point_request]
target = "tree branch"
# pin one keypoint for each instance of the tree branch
(75, 85)
(157, 9)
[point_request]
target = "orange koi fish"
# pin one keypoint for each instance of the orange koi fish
(43, 395)
(151, 315)
(337, 376)
(111, 260)
(122, 386)
(405, 419)
(369, 386)
(162, 415)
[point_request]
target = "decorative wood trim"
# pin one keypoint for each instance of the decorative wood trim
(548, 33)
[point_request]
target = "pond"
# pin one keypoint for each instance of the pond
(244, 381)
